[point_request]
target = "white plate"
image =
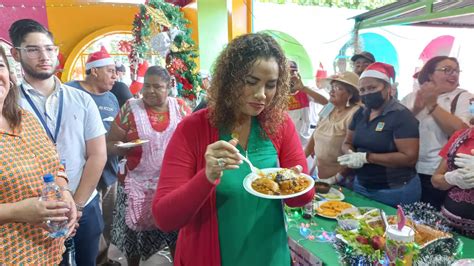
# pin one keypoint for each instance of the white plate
(333, 194)
(251, 177)
(316, 207)
(132, 143)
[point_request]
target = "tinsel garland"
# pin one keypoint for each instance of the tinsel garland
(441, 252)
(424, 213)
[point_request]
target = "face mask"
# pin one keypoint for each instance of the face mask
(373, 100)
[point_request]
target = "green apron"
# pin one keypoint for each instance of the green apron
(251, 229)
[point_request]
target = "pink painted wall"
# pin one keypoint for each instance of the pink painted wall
(12, 10)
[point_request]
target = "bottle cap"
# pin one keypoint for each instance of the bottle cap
(48, 178)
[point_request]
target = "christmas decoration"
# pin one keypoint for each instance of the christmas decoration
(424, 213)
(440, 252)
(125, 46)
(161, 37)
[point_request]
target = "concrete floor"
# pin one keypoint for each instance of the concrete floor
(162, 258)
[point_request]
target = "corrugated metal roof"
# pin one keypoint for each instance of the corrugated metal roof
(421, 13)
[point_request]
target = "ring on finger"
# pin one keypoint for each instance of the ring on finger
(220, 162)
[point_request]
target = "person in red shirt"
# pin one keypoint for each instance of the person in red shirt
(455, 175)
(299, 103)
(200, 191)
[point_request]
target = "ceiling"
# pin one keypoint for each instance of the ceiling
(459, 14)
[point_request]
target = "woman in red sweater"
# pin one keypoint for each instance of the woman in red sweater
(200, 188)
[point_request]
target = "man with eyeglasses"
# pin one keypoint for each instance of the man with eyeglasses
(100, 78)
(72, 121)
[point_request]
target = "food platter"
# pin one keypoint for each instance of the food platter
(333, 194)
(133, 143)
(247, 183)
(331, 209)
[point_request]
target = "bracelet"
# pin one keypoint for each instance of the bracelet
(66, 188)
(80, 207)
(432, 109)
(63, 177)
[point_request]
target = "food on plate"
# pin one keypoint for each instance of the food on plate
(282, 182)
(137, 141)
(332, 208)
(371, 234)
(378, 242)
(266, 186)
(321, 187)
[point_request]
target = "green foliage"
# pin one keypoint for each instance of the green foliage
(182, 52)
(351, 4)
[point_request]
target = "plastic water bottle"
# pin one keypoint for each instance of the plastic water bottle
(51, 192)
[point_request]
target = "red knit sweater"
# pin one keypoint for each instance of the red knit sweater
(186, 201)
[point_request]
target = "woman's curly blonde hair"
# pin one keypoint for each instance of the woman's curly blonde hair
(228, 82)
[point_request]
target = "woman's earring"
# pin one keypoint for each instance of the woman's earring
(348, 103)
(11, 84)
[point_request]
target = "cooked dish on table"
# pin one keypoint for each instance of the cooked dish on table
(332, 208)
(282, 182)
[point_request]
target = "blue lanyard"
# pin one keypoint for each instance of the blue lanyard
(54, 137)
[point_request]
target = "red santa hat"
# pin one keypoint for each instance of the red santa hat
(99, 59)
(321, 73)
(137, 84)
(379, 70)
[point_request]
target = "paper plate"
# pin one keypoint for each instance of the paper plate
(252, 176)
(320, 203)
(132, 144)
(333, 194)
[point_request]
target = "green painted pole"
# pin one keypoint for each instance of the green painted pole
(213, 30)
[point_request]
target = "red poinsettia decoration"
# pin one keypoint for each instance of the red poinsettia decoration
(179, 65)
(125, 46)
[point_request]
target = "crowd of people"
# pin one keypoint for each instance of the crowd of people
(146, 172)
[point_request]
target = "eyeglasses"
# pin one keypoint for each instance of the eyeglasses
(36, 51)
(449, 71)
(336, 88)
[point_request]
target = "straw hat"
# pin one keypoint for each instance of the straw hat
(346, 77)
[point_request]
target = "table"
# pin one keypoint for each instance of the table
(325, 251)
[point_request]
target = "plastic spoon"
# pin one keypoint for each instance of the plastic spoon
(254, 169)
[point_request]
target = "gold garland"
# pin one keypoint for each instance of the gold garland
(158, 16)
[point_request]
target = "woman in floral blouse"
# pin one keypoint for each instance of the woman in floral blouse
(26, 154)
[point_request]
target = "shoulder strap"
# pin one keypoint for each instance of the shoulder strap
(454, 103)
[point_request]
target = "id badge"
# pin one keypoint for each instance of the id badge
(379, 126)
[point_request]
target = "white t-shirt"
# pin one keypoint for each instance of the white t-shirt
(80, 122)
(432, 137)
(315, 108)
